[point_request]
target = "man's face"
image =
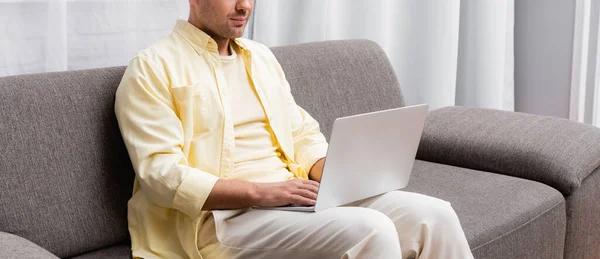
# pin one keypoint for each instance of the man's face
(223, 18)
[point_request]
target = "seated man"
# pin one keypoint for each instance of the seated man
(212, 129)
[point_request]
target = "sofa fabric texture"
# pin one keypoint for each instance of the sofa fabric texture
(113, 252)
(501, 215)
(12, 246)
(523, 186)
(556, 152)
(583, 212)
(543, 237)
(65, 174)
(339, 78)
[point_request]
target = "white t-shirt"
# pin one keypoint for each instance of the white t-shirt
(256, 155)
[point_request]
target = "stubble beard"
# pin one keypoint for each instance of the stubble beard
(235, 32)
(226, 31)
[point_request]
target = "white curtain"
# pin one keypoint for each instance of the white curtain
(56, 35)
(445, 52)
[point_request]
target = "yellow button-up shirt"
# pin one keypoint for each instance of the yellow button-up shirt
(174, 112)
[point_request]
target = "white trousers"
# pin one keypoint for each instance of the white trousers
(397, 224)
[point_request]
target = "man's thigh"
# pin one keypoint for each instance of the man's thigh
(396, 201)
(409, 210)
(411, 214)
(286, 234)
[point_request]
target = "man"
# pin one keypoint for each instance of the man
(212, 129)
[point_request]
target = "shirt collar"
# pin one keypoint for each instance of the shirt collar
(199, 39)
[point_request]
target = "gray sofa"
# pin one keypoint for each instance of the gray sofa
(523, 186)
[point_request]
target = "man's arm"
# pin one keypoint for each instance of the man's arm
(153, 135)
(234, 194)
(317, 170)
(310, 145)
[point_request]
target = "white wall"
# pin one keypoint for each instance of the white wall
(593, 53)
(543, 56)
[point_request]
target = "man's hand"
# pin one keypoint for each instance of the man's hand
(295, 191)
(236, 194)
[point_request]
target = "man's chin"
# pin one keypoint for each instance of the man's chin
(238, 30)
(232, 33)
(236, 35)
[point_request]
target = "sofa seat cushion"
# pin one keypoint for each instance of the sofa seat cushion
(13, 246)
(116, 252)
(502, 216)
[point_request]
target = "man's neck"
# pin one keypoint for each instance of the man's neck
(223, 46)
(222, 43)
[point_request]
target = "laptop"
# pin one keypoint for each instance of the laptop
(369, 154)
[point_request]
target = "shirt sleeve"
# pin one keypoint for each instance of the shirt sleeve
(310, 144)
(154, 137)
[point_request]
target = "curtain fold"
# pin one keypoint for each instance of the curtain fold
(445, 53)
(457, 52)
(57, 35)
(486, 55)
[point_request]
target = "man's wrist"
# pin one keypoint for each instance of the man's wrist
(254, 193)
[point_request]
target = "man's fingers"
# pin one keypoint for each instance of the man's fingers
(303, 192)
(310, 187)
(306, 193)
(311, 182)
(297, 199)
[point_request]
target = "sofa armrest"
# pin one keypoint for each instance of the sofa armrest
(12, 246)
(553, 151)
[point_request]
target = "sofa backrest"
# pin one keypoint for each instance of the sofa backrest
(65, 176)
(333, 79)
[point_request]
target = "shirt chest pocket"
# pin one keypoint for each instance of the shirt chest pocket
(198, 107)
(207, 110)
(200, 101)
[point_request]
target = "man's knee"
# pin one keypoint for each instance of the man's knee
(361, 222)
(369, 234)
(435, 212)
